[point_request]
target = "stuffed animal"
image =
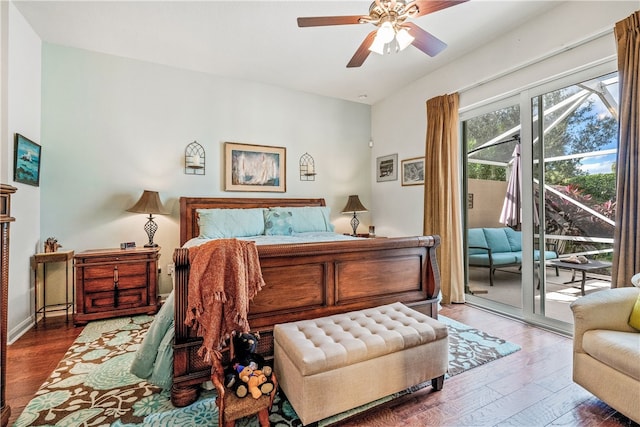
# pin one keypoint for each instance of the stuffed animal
(233, 382)
(245, 346)
(254, 378)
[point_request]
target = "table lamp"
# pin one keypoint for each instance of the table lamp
(354, 205)
(149, 203)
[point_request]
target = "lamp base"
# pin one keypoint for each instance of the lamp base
(354, 224)
(150, 227)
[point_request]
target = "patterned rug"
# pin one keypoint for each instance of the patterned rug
(92, 385)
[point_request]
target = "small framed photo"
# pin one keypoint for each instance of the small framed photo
(26, 161)
(254, 167)
(387, 168)
(413, 171)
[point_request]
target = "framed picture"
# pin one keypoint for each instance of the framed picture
(250, 167)
(26, 161)
(413, 171)
(387, 168)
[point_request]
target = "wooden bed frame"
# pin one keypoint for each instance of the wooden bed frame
(305, 281)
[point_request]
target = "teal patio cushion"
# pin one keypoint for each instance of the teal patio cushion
(547, 255)
(476, 238)
(536, 255)
(504, 258)
(515, 239)
(497, 240)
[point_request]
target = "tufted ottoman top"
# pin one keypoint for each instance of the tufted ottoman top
(326, 343)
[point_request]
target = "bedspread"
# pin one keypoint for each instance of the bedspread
(154, 359)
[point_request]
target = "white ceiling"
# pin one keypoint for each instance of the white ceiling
(260, 40)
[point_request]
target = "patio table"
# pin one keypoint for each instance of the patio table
(584, 268)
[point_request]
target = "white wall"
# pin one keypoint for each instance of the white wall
(4, 86)
(399, 122)
(113, 127)
(23, 116)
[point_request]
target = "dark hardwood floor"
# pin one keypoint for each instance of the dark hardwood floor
(532, 387)
(32, 358)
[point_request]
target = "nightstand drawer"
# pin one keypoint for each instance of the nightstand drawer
(104, 278)
(105, 301)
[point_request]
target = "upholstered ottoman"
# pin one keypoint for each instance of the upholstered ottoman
(332, 364)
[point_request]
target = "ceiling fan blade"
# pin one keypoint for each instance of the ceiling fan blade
(319, 21)
(426, 7)
(426, 42)
(363, 51)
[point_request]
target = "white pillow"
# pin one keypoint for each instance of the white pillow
(229, 223)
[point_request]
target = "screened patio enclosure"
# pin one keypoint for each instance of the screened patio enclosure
(571, 184)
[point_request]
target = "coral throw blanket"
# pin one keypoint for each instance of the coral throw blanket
(224, 276)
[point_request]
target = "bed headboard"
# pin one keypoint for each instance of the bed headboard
(189, 218)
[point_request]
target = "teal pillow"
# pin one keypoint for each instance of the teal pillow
(515, 239)
(308, 218)
(497, 239)
(475, 237)
(230, 223)
(278, 223)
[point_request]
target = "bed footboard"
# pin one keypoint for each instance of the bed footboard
(306, 281)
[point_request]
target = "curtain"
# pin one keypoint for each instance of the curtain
(442, 211)
(626, 246)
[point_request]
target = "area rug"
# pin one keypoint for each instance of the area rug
(92, 385)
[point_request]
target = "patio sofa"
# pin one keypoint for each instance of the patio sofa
(498, 247)
(606, 348)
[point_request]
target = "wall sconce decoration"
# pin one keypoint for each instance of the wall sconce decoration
(194, 159)
(354, 205)
(307, 168)
(149, 203)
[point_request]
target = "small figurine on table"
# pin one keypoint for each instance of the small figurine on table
(51, 245)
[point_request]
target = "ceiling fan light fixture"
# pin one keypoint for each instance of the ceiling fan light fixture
(403, 38)
(377, 46)
(386, 33)
(393, 31)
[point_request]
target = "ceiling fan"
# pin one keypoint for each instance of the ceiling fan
(390, 16)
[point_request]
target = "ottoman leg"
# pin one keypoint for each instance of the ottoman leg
(437, 383)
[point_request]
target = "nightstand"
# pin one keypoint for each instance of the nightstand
(116, 282)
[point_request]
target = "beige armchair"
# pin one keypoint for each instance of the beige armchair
(606, 350)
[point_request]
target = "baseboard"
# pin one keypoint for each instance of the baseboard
(22, 328)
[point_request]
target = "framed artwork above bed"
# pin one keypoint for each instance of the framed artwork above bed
(249, 167)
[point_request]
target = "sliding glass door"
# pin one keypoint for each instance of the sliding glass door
(574, 152)
(540, 193)
(491, 139)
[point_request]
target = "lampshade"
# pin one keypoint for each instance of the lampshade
(377, 46)
(403, 38)
(386, 32)
(353, 205)
(149, 203)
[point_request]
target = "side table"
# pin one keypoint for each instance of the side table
(584, 268)
(44, 259)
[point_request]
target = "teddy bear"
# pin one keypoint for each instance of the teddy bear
(255, 379)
